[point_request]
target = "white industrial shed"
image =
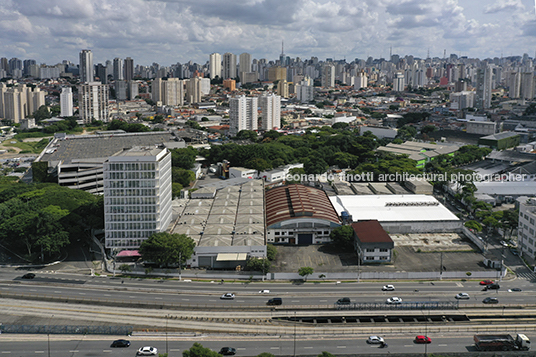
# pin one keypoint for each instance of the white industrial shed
(399, 214)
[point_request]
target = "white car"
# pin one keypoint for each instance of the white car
(462, 296)
(394, 300)
(373, 340)
(388, 288)
(147, 351)
(265, 291)
(227, 296)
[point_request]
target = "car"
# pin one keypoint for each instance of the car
(486, 282)
(275, 301)
(514, 251)
(374, 340)
(227, 351)
(227, 296)
(462, 296)
(514, 290)
(265, 291)
(394, 300)
(504, 244)
(388, 288)
(28, 276)
(493, 286)
(344, 301)
(120, 343)
(490, 300)
(422, 339)
(147, 351)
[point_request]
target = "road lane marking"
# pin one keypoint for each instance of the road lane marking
(132, 297)
(274, 348)
(107, 351)
(158, 298)
(82, 293)
(213, 300)
(308, 348)
(241, 349)
(185, 299)
(294, 300)
(73, 351)
(6, 351)
(323, 301)
(33, 290)
(174, 349)
(443, 345)
(39, 351)
(341, 346)
(106, 295)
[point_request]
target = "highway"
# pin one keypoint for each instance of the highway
(280, 345)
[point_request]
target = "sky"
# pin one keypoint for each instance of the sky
(171, 31)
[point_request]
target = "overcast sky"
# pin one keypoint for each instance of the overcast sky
(171, 31)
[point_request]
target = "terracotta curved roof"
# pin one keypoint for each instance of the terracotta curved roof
(296, 201)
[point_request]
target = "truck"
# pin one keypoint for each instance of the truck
(502, 342)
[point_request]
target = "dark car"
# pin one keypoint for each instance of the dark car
(120, 343)
(493, 286)
(344, 301)
(28, 276)
(227, 351)
(490, 300)
(275, 301)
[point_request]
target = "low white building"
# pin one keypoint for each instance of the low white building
(527, 226)
(242, 172)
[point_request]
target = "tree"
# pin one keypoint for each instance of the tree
(343, 237)
(305, 271)
(246, 135)
(474, 225)
(326, 354)
(271, 252)
(265, 354)
(125, 268)
(167, 249)
(182, 176)
(197, 350)
(258, 264)
(176, 189)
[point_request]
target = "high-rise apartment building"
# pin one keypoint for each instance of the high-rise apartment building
(215, 65)
(399, 82)
(328, 76)
(243, 114)
(484, 78)
(527, 85)
(169, 92)
(526, 234)
(93, 102)
(304, 91)
(137, 196)
(229, 66)
(118, 69)
(282, 88)
(129, 69)
(193, 90)
(86, 66)
(244, 65)
(101, 74)
(277, 74)
(361, 80)
(270, 111)
(66, 102)
(20, 101)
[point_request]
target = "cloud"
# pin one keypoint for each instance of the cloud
(504, 5)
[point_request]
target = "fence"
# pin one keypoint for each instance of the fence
(67, 329)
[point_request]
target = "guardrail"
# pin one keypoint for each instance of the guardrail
(410, 305)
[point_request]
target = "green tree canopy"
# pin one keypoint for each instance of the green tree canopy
(343, 237)
(197, 350)
(258, 264)
(305, 272)
(167, 249)
(271, 252)
(182, 176)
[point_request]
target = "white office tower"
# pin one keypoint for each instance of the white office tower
(118, 69)
(137, 196)
(215, 65)
(304, 92)
(66, 102)
(527, 85)
(244, 65)
(229, 66)
(271, 112)
(483, 87)
(328, 76)
(86, 66)
(193, 90)
(242, 114)
(361, 80)
(399, 82)
(526, 235)
(93, 102)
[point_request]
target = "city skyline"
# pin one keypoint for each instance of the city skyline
(168, 31)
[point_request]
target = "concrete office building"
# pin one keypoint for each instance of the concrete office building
(270, 112)
(137, 196)
(215, 65)
(481, 127)
(229, 66)
(372, 243)
(399, 82)
(483, 87)
(304, 92)
(328, 76)
(242, 114)
(129, 69)
(93, 102)
(86, 66)
(527, 226)
(66, 102)
(277, 73)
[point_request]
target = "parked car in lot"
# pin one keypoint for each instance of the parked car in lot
(422, 339)
(227, 296)
(120, 343)
(394, 300)
(374, 340)
(388, 288)
(486, 282)
(462, 296)
(147, 351)
(490, 300)
(227, 351)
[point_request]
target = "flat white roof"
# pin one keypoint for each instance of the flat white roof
(389, 208)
